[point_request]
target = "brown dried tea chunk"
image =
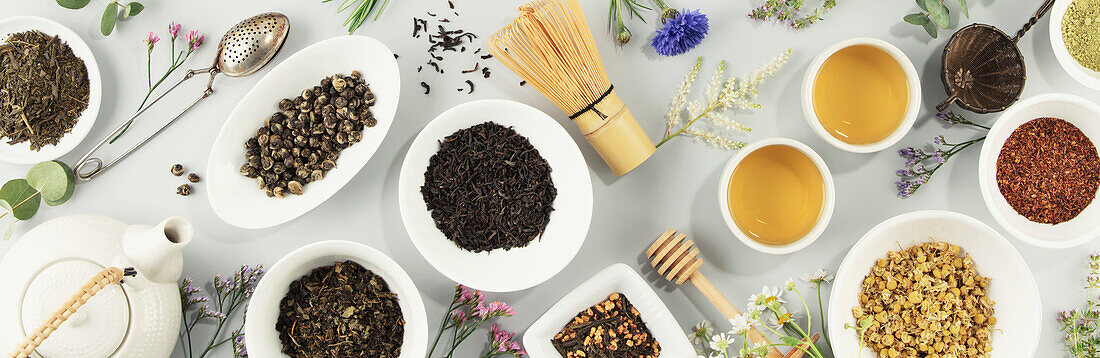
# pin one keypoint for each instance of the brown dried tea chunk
(488, 188)
(340, 310)
(611, 328)
(1048, 170)
(43, 89)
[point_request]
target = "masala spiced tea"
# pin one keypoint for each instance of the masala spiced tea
(44, 88)
(776, 195)
(861, 94)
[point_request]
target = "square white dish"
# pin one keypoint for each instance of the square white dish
(615, 278)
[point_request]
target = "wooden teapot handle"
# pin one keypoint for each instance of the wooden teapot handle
(107, 277)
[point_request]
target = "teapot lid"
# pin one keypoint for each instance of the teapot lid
(97, 329)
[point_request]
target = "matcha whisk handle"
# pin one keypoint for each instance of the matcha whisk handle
(88, 167)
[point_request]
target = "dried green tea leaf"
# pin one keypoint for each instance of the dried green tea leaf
(917, 19)
(43, 89)
(110, 16)
(930, 28)
(54, 180)
(21, 197)
(73, 4)
(132, 9)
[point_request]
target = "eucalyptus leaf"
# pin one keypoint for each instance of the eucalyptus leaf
(21, 197)
(917, 19)
(11, 220)
(54, 180)
(132, 9)
(73, 4)
(930, 28)
(110, 16)
(962, 5)
(922, 5)
(939, 13)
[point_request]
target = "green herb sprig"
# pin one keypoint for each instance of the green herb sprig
(1082, 326)
(363, 9)
(934, 15)
(790, 12)
(51, 182)
(615, 23)
(111, 14)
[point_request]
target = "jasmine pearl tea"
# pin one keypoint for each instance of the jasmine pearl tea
(776, 195)
(861, 95)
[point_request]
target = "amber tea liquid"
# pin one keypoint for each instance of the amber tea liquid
(776, 195)
(861, 94)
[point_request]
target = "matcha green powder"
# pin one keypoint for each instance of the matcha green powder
(1081, 32)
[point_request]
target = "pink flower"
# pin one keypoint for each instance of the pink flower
(194, 39)
(459, 317)
(495, 309)
(151, 39)
(501, 342)
(174, 29)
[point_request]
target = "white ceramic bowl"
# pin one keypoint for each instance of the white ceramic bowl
(1083, 114)
(1018, 308)
(21, 153)
(910, 114)
(263, 308)
(826, 209)
(501, 270)
(1082, 74)
(236, 198)
(615, 278)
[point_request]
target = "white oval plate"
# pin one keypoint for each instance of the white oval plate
(615, 278)
(1018, 308)
(21, 153)
(263, 309)
(1083, 114)
(236, 198)
(500, 270)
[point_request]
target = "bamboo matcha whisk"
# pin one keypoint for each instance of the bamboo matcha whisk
(550, 46)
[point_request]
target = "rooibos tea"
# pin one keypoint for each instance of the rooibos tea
(340, 310)
(488, 188)
(43, 89)
(1048, 170)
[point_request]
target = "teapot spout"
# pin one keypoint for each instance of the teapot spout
(156, 251)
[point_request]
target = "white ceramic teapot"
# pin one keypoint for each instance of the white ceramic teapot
(138, 318)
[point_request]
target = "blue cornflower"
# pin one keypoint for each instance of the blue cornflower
(681, 33)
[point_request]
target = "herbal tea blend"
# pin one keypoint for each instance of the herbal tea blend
(340, 310)
(612, 328)
(488, 188)
(43, 89)
(1081, 32)
(926, 301)
(299, 144)
(1048, 170)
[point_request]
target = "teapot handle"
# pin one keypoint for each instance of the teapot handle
(107, 277)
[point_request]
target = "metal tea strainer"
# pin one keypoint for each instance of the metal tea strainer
(983, 70)
(243, 50)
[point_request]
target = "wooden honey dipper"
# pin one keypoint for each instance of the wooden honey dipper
(678, 261)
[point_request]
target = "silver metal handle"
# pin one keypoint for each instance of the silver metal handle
(99, 167)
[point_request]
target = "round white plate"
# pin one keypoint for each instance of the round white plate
(1080, 112)
(21, 153)
(1018, 309)
(263, 309)
(1082, 74)
(236, 198)
(500, 270)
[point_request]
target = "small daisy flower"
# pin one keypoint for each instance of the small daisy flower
(740, 324)
(817, 276)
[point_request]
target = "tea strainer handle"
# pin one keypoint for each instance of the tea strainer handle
(88, 167)
(1043, 9)
(101, 280)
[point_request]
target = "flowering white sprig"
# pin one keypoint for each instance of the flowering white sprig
(722, 94)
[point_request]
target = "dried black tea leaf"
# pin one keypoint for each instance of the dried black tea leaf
(340, 310)
(488, 188)
(43, 89)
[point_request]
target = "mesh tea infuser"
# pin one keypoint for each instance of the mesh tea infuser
(243, 50)
(983, 70)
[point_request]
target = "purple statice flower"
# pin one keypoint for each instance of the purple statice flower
(239, 350)
(937, 156)
(194, 39)
(206, 312)
(939, 140)
(174, 29)
(681, 33)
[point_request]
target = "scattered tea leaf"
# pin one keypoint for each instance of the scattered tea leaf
(110, 16)
(21, 197)
(917, 19)
(73, 4)
(132, 9)
(54, 180)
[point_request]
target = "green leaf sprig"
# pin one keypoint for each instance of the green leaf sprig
(615, 23)
(363, 9)
(111, 13)
(934, 15)
(51, 182)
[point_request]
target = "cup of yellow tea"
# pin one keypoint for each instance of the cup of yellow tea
(861, 95)
(776, 195)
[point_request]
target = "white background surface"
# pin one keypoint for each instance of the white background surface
(677, 187)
